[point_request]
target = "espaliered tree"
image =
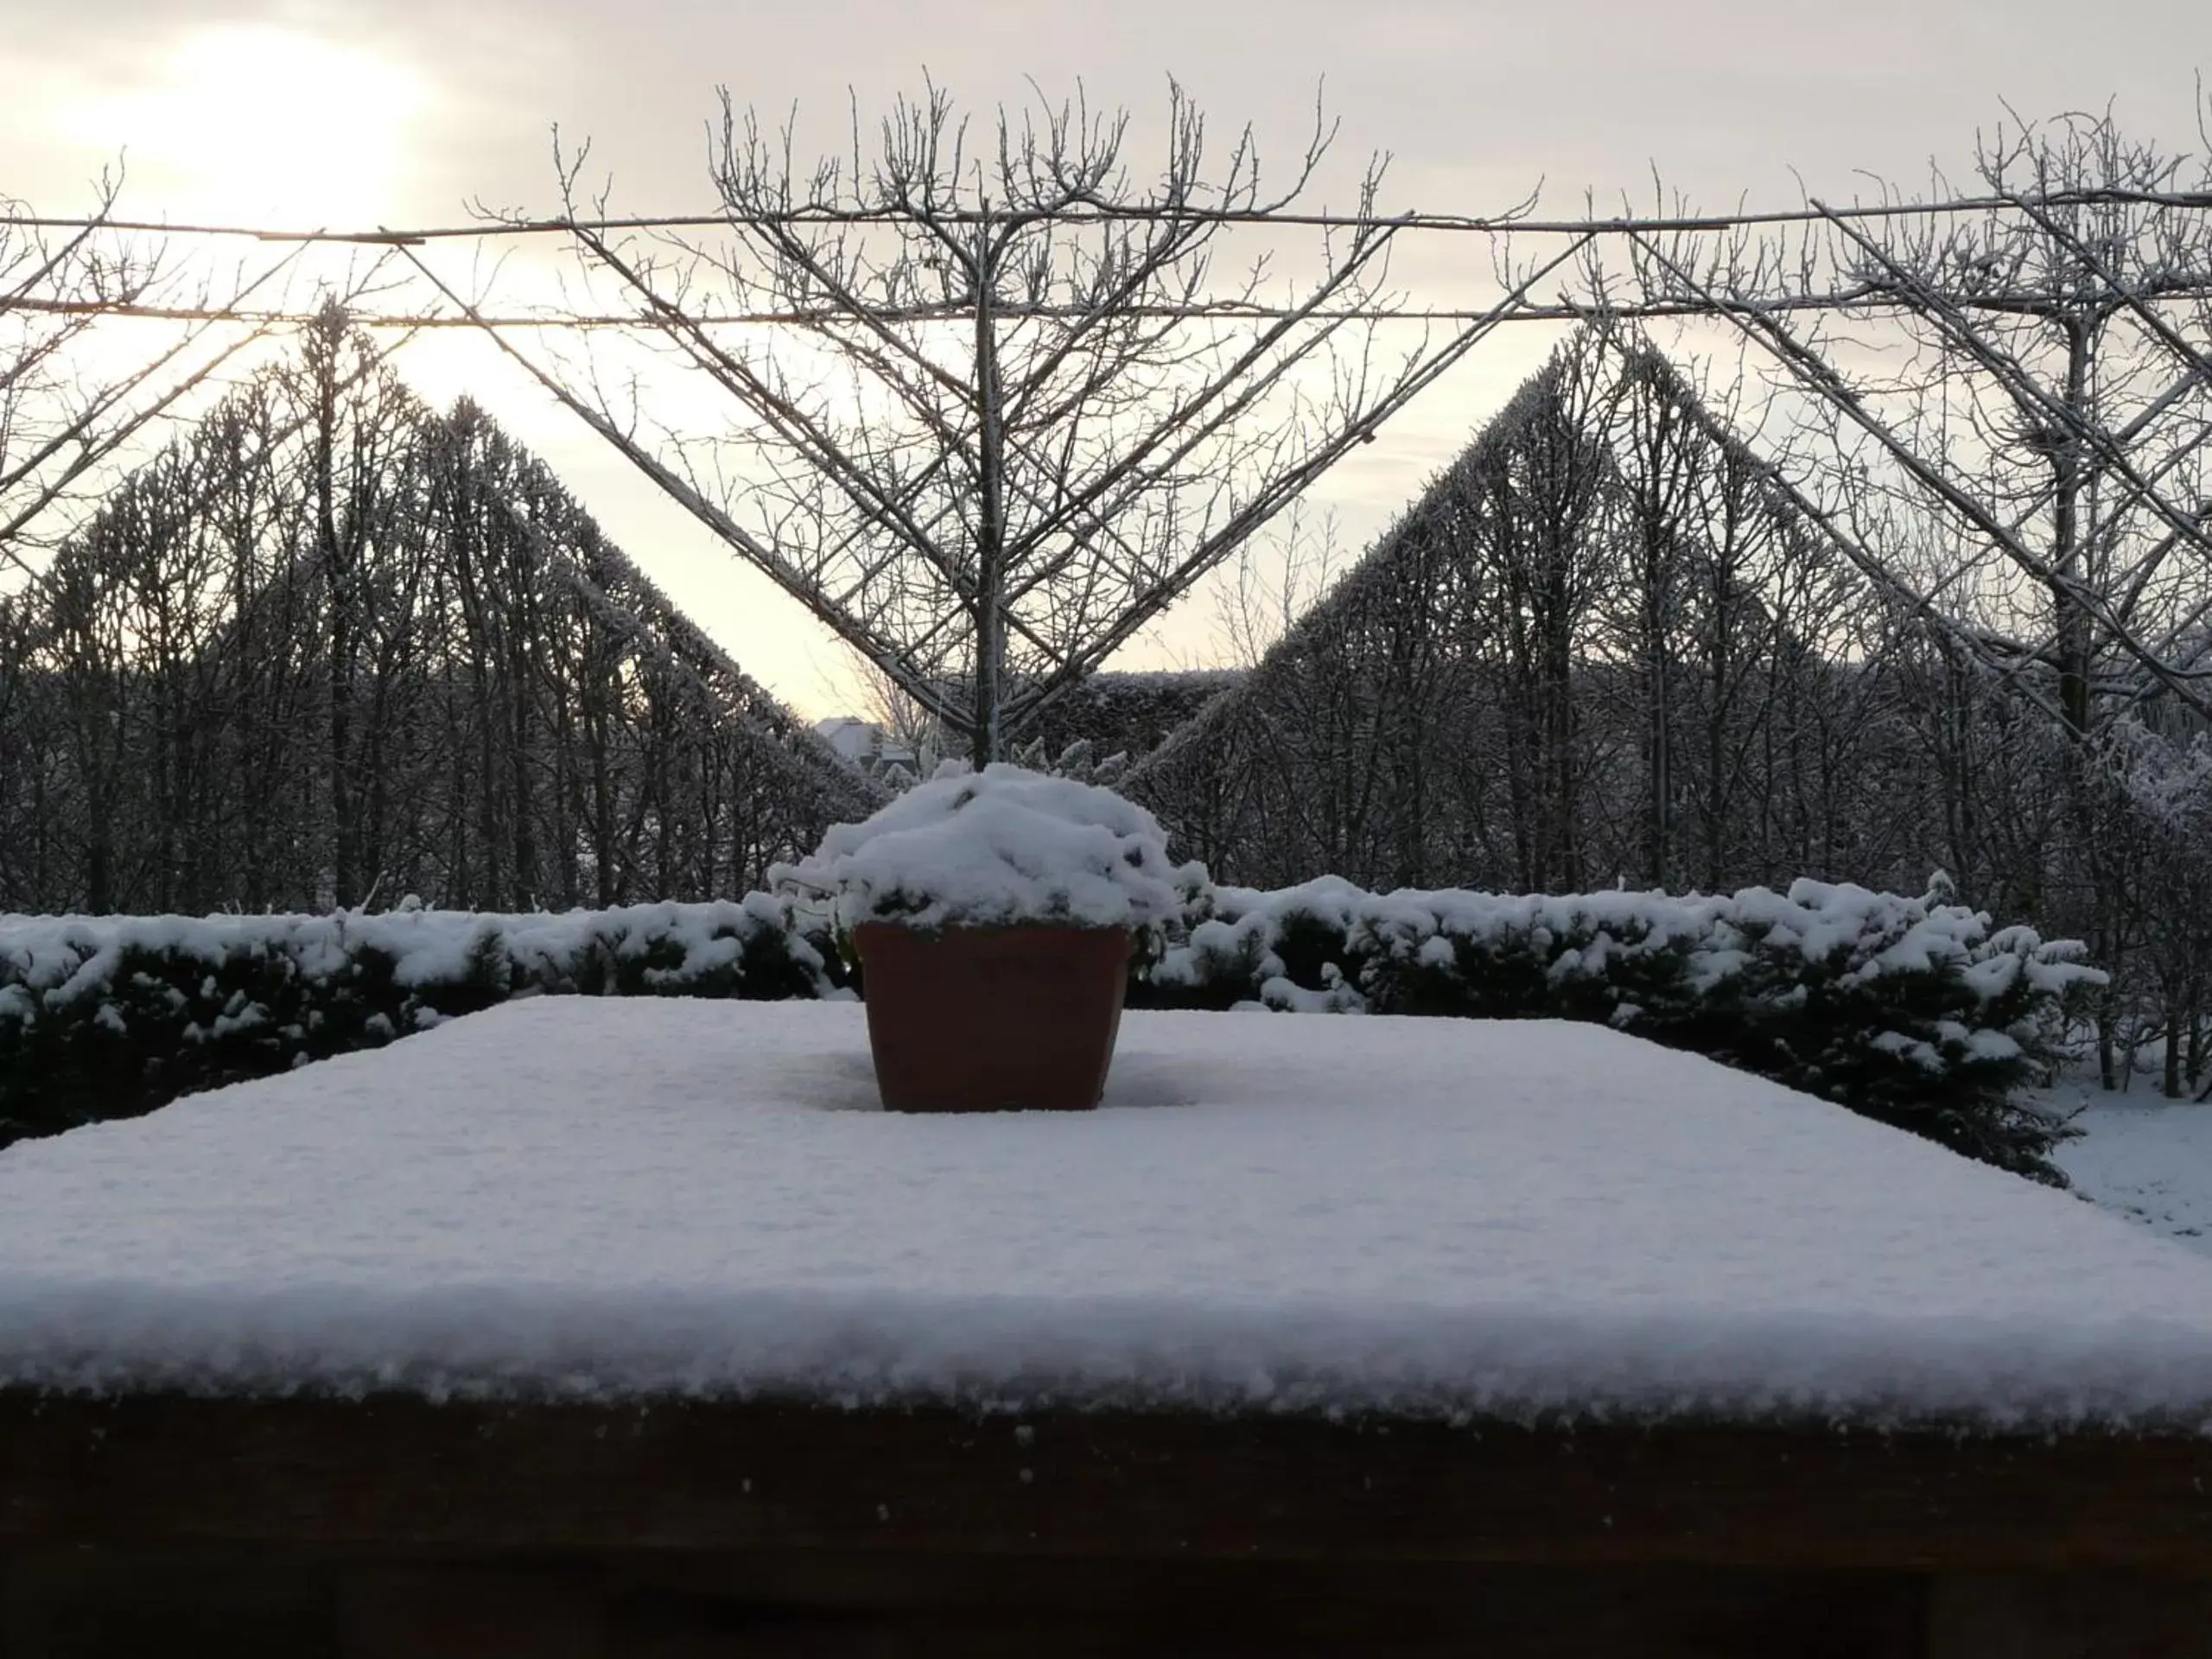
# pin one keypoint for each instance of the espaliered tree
(65, 427)
(2006, 402)
(996, 399)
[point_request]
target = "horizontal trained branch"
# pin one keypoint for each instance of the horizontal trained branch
(1857, 298)
(1515, 222)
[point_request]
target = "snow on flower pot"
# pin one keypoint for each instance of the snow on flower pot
(994, 914)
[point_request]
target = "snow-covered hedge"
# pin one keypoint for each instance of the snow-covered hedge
(106, 1016)
(1912, 1011)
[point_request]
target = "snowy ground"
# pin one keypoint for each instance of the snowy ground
(2144, 1158)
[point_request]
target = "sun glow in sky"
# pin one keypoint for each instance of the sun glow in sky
(262, 123)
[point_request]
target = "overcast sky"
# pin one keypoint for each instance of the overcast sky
(400, 111)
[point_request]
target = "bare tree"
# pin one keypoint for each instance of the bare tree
(51, 289)
(1604, 645)
(2002, 405)
(330, 648)
(63, 424)
(999, 399)
(1273, 580)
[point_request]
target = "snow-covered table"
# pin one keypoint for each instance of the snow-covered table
(583, 1278)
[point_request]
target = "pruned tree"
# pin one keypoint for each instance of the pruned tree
(1999, 396)
(996, 399)
(1603, 646)
(63, 424)
(52, 287)
(2023, 366)
(329, 648)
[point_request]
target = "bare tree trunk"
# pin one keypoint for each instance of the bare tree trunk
(990, 520)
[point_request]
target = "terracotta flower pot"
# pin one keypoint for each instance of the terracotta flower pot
(992, 1018)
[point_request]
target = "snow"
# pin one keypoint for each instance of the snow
(588, 1198)
(2149, 1159)
(1860, 936)
(1002, 846)
(56, 961)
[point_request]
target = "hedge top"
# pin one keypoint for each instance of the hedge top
(1002, 847)
(616, 1197)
